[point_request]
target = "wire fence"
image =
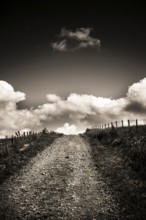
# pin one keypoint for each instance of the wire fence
(122, 124)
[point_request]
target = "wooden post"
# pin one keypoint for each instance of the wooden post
(12, 140)
(18, 133)
(6, 143)
(128, 123)
(122, 124)
(108, 126)
(116, 124)
(136, 123)
(137, 126)
(105, 126)
(30, 137)
(5, 140)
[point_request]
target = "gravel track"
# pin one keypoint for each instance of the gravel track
(61, 182)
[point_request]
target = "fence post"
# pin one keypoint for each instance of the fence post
(116, 124)
(128, 123)
(122, 124)
(16, 134)
(19, 134)
(6, 143)
(136, 125)
(12, 139)
(105, 126)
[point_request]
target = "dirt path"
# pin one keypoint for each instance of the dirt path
(59, 183)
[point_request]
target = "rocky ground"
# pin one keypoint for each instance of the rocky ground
(61, 182)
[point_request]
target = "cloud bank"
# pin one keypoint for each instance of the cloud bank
(77, 40)
(7, 93)
(12, 119)
(72, 114)
(67, 129)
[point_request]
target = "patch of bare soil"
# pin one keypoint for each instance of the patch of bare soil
(61, 182)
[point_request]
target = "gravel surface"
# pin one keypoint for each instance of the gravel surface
(61, 182)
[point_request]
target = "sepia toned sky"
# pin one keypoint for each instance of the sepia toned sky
(91, 49)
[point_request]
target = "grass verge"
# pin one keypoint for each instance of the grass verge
(120, 156)
(12, 163)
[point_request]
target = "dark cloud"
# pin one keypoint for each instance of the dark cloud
(77, 40)
(136, 107)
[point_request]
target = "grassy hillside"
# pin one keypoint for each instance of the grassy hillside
(14, 156)
(120, 156)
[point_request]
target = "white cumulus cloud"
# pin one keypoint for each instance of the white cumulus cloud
(136, 98)
(7, 93)
(52, 98)
(12, 119)
(137, 92)
(67, 129)
(72, 114)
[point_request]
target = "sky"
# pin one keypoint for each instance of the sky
(69, 66)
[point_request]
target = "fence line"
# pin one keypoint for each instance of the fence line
(121, 124)
(18, 140)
